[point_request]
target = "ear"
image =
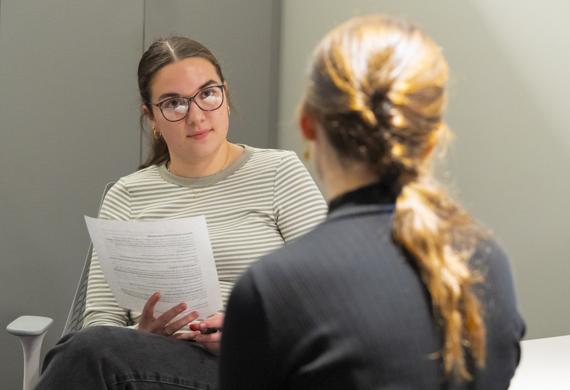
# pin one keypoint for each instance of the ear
(308, 127)
(227, 99)
(148, 115)
(226, 91)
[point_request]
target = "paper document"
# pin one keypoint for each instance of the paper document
(173, 257)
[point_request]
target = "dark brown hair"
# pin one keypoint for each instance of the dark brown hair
(378, 87)
(159, 54)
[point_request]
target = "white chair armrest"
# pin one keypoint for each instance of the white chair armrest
(29, 326)
(31, 331)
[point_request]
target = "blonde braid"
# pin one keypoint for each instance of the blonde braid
(378, 86)
(433, 229)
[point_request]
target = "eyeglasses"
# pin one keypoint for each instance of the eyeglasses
(176, 108)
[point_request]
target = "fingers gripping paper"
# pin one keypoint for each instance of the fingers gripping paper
(173, 257)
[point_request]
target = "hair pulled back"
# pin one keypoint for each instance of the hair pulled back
(159, 54)
(378, 87)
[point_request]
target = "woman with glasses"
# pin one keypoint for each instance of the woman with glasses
(254, 201)
(399, 288)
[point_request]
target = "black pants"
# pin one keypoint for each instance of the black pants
(105, 357)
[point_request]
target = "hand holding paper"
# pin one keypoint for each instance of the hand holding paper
(168, 323)
(173, 257)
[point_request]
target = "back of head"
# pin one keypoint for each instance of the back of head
(378, 87)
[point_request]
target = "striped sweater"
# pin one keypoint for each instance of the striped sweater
(252, 207)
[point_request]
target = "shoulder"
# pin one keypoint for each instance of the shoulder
(270, 164)
(130, 185)
(497, 289)
(492, 264)
(147, 174)
(286, 168)
(490, 260)
(142, 180)
(271, 156)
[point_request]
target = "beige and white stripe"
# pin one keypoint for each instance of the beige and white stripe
(262, 200)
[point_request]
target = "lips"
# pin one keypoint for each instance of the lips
(199, 134)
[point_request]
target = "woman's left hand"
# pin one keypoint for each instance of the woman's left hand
(210, 341)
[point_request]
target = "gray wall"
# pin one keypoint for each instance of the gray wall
(69, 112)
(69, 123)
(508, 107)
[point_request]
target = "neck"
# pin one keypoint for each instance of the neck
(340, 181)
(204, 166)
(335, 177)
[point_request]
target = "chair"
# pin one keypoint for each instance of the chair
(32, 329)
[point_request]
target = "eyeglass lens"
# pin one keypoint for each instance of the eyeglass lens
(207, 99)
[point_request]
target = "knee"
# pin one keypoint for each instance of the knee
(92, 338)
(96, 334)
(88, 343)
(80, 355)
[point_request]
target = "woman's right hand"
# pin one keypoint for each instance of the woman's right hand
(163, 324)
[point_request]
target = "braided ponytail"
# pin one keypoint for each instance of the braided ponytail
(441, 237)
(378, 88)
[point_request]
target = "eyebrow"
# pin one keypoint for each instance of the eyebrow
(173, 94)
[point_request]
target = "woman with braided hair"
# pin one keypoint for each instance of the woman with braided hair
(399, 288)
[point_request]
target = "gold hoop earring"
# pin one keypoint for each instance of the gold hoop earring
(156, 134)
(307, 152)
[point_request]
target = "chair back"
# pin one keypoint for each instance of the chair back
(77, 311)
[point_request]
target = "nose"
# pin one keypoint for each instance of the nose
(195, 114)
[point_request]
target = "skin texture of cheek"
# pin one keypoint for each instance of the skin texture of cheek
(197, 142)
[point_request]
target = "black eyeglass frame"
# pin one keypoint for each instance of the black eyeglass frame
(192, 99)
